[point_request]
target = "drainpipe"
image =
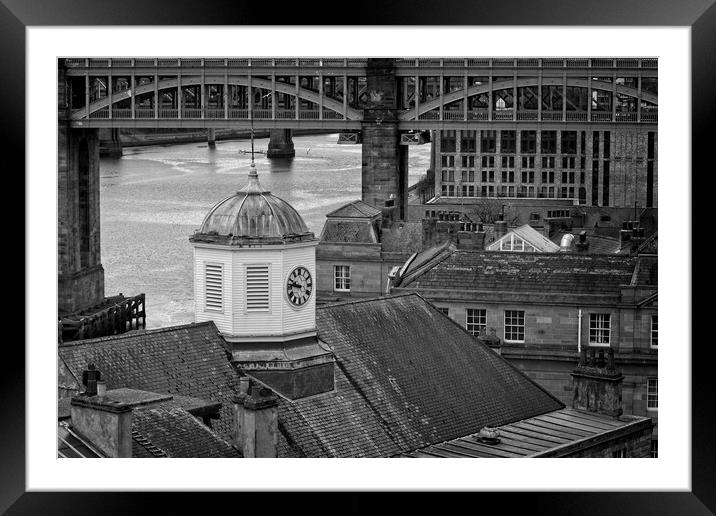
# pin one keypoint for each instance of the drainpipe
(579, 331)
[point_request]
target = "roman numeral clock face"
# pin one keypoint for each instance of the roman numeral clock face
(299, 286)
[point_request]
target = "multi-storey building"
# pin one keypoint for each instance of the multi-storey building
(543, 307)
(587, 133)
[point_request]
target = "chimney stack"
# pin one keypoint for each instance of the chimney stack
(105, 422)
(500, 227)
(582, 244)
(597, 382)
(256, 420)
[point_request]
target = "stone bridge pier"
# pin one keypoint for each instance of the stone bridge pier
(385, 161)
(110, 145)
(280, 144)
(80, 280)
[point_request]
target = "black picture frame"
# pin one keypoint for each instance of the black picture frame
(700, 15)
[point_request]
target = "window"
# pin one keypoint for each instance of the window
(654, 331)
(569, 142)
(654, 449)
(468, 141)
(214, 286)
(599, 329)
(476, 320)
(620, 453)
(448, 141)
(549, 142)
(507, 142)
(257, 288)
(515, 325)
(342, 277)
(528, 142)
(652, 394)
(487, 141)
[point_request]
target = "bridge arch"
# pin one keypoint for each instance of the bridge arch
(526, 82)
(166, 84)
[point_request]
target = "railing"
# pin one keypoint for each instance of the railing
(598, 116)
(329, 114)
(285, 114)
(100, 113)
(191, 113)
(527, 115)
(122, 315)
(335, 62)
(576, 116)
(144, 113)
(168, 113)
(625, 117)
(430, 115)
(506, 114)
(121, 113)
(262, 114)
(453, 115)
(215, 113)
(651, 116)
(552, 115)
(477, 115)
(242, 114)
(308, 115)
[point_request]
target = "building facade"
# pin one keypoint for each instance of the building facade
(544, 307)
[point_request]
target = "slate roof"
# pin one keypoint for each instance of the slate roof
(494, 271)
(403, 237)
(598, 244)
(188, 360)
(157, 432)
(355, 209)
(531, 236)
(349, 231)
(178, 434)
(406, 376)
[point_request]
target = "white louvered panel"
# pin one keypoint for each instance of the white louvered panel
(214, 279)
(257, 287)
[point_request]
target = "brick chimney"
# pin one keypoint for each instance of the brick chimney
(500, 227)
(105, 422)
(597, 382)
(582, 244)
(256, 420)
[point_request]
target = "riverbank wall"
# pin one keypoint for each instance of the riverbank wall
(142, 137)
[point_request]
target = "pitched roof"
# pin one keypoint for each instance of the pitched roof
(523, 273)
(403, 237)
(598, 244)
(355, 231)
(529, 235)
(157, 432)
(406, 376)
(178, 434)
(355, 209)
(188, 360)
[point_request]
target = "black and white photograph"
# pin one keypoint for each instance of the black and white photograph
(361, 243)
(358, 257)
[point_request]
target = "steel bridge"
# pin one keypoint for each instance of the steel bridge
(334, 93)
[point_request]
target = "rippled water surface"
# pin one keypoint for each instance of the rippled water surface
(153, 198)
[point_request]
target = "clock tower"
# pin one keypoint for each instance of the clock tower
(254, 276)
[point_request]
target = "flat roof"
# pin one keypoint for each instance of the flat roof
(553, 434)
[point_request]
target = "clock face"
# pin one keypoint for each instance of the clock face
(299, 286)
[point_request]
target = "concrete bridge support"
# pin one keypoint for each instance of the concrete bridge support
(80, 272)
(280, 144)
(211, 137)
(385, 161)
(110, 145)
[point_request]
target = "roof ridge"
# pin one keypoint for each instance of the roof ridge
(132, 333)
(369, 299)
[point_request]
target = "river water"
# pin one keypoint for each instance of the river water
(154, 197)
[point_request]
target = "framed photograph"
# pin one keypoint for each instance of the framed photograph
(230, 122)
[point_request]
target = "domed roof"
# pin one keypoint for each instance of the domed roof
(254, 213)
